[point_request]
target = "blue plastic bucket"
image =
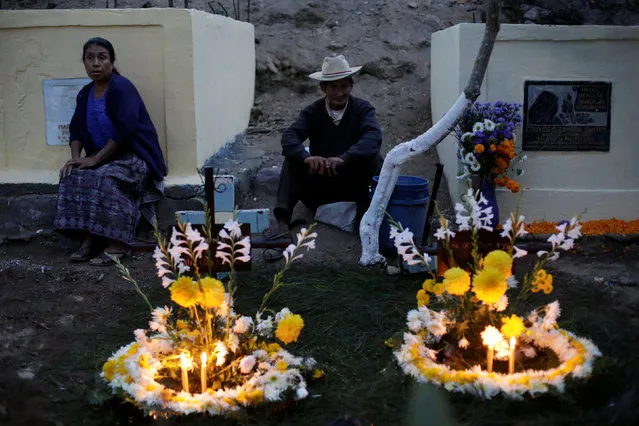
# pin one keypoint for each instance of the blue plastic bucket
(408, 205)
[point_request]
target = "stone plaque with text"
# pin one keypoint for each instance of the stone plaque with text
(566, 116)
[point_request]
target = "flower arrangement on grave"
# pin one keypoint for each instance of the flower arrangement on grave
(487, 145)
(202, 356)
(469, 334)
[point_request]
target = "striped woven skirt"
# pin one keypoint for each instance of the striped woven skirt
(106, 201)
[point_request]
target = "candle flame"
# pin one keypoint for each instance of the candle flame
(185, 361)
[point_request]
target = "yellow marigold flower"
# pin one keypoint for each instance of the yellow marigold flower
(428, 285)
(512, 327)
(133, 349)
(438, 289)
(493, 148)
(318, 374)
(282, 366)
(109, 369)
(456, 281)
(271, 348)
(289, 328)
(489, 285)
(182, 324)
(184, 292)
(479, 148)
(213, 295)
(422, 298)
(500, 260)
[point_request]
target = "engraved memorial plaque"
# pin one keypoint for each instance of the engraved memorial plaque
(566, 116)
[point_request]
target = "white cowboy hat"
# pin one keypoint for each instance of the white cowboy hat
(334, 68)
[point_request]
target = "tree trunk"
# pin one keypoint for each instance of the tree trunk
(372, 220)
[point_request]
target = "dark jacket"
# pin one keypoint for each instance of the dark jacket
(357, 136)
(134, 130)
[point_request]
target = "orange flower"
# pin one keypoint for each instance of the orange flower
(593, 227)
(513, 186)
(493, 148)
(479, 148)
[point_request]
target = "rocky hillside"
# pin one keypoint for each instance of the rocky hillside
(390, 38)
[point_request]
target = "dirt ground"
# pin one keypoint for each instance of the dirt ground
(60, 321)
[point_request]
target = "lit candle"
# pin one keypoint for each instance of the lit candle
(184, 363)
(489, 359)
(511, 359)
(203, 372)
(491, 337)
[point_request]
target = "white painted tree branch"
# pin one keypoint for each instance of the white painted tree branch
(372, 220)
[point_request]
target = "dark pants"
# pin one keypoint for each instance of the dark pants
(350, 184)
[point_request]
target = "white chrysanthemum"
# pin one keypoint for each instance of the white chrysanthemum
(247, 363)
(242, 325)
(466, 136)
(489, 125)
(275, 385)
(140, 335)
(528, 351)
(220, 353)
(265, 327)
(414, 321)
(478, 127)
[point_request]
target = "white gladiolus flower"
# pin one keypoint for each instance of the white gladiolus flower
(501, 304)
(233, 227)
(519, 252)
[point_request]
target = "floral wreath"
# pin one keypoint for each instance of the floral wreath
(475, 299)
(205, 357)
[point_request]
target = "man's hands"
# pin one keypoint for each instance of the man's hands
(321, 165)
(79, 162)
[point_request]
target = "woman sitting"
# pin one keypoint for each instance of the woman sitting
(103, 193)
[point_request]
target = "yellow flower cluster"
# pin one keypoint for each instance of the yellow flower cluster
(456, 281)
(422, 298)
(186, 292)
(513, 326)
(500, 260)
(289, 328)
(542, 282)
(489, 285)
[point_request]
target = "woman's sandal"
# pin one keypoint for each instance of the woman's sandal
(82, 254)
(104, 260)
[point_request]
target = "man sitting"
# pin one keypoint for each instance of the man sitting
(344, 147)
